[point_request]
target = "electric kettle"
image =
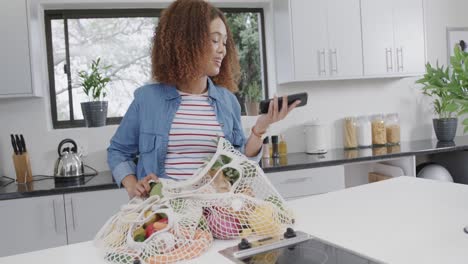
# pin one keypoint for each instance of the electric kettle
(69, 163)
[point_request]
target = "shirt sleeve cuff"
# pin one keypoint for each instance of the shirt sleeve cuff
(258, 157)
(122, 170)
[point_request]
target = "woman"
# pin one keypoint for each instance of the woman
(172, 125)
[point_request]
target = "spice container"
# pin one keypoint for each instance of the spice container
(266, 148)
(275, 147)
(350, 136)
(283, 148)
(379, 136)
(364, 132)
(392, 128)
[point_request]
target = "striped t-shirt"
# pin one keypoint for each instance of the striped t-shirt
(192, 136)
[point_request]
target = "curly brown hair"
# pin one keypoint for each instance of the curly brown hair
(181, 45)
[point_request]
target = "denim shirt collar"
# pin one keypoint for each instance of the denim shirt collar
(172, 93)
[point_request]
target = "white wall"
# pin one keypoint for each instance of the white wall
(330, 101)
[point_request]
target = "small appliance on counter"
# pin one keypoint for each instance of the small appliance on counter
(69, 163)
(316, 137)
(293, 247)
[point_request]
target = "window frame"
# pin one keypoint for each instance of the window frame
(65, 14)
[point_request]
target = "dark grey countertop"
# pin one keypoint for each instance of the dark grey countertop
(42, 186)
(293, 161)
(296, 161)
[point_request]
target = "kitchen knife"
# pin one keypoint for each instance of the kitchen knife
(23, 144)
(18, 144)
(13, 143)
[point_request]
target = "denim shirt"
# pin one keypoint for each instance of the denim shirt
(144, 130)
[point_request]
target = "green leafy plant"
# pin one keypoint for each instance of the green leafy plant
(252, 92)
(94, 82)
(459, 86)
(436, 83)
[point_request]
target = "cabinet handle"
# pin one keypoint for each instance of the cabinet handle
(335, 56)
(400, 58)
(391, 59)
(295, 180)
(389, 62)
(73, 213)
(322, 70)
(55, 216)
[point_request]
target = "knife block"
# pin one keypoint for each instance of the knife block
(22, 168)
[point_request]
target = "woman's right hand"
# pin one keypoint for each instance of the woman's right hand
(139, 188)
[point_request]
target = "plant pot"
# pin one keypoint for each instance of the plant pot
(252, 108)
(445, 128)
(94, 113)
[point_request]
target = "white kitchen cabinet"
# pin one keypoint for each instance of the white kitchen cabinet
(344, 38)
(317, 40)
(15, 63)
(49, 221)
(88, 211)
(31, 224)
(298, 183)
(393, 37)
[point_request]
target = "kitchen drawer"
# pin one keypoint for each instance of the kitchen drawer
(297, 183)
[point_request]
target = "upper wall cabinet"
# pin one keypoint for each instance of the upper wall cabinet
(393, 37)
(348, 39)
(317, 39)
(15, 64)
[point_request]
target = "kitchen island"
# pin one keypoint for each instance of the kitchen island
(402, 220)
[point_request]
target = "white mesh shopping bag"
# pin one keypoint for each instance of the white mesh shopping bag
(228, 197)
(155, 231)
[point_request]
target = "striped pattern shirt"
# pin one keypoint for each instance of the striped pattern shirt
(192, 137)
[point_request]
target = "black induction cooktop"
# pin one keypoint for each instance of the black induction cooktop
(293, 247)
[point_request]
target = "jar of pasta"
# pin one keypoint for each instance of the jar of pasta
(379, 136)
(350, 134)
(392, 128)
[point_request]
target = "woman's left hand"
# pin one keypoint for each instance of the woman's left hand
(274, 114)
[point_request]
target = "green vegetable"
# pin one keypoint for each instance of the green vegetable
(139, 238)
(231, 174)
(156, 189)
(177, 204)
(138, 233)
(202, 223)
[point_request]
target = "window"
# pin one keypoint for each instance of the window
(122, 39)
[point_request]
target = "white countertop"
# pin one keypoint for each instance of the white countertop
(403, 220)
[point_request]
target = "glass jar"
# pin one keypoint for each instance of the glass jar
(379, 136)
(349, 132)
(364, 132)
(392, 128)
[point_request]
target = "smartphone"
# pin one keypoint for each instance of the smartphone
(291, 99)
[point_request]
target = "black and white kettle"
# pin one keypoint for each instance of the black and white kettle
(69, 163)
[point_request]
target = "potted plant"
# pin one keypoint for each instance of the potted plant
(449, 94)
(94, 86)
(252, 94)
